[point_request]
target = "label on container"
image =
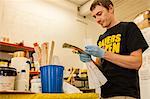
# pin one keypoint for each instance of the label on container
(36, 85)
(7, 82)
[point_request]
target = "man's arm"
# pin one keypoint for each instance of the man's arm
(132, 61)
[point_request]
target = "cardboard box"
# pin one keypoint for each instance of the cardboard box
(144, 24)
(143, 19)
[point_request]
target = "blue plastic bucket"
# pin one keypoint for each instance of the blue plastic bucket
(52, 78)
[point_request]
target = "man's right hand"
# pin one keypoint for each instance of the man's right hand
(85, 57)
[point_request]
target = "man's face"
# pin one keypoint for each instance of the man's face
(103, 16)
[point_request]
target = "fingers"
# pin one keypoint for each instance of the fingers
(91, 46)
(90, 49)
(85, 57)
(94, 51)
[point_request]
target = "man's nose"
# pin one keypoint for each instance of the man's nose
(98, 20)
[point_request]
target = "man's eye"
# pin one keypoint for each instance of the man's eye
(99, 14)
(94, 16)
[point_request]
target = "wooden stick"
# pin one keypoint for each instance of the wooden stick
(47, 47)
(38, 52)
(70, 76)
(51, 52)
(43, 54)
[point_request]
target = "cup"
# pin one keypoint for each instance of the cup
(52, 78)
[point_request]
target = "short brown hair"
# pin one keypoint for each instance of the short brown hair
(104, 3)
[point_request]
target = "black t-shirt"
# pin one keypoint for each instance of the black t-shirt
(122, 39)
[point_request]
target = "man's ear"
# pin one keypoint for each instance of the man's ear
(111, 9)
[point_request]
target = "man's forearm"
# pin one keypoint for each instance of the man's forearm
(126, 61)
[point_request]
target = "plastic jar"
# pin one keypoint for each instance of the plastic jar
(7, 78)
(36, 85)
(22, 83)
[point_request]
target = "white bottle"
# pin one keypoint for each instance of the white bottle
(22, 84)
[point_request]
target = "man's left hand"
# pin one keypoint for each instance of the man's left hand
(95, 51)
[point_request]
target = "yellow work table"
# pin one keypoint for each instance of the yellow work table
(49, 96)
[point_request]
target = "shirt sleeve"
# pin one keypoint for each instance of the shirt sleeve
(135, 39)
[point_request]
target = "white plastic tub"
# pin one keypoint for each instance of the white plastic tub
(7, 78)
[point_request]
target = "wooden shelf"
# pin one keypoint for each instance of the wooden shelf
(8, 47)
(34, 72)
(11, 48)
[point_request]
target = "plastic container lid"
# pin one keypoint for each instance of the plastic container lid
(7, 71)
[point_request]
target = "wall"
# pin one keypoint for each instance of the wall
(45, 20)
(127, 10)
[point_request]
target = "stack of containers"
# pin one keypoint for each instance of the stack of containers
(143, 22)
(22, 65)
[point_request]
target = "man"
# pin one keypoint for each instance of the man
(119, 52)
